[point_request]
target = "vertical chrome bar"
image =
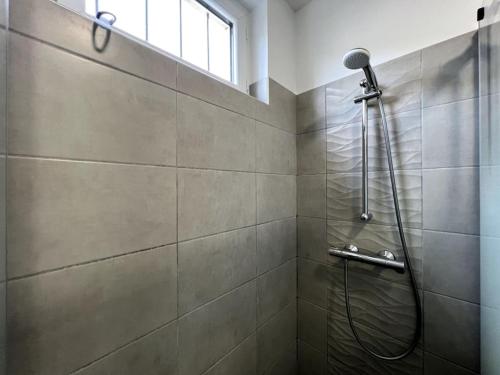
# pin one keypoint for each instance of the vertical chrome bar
(365, 215)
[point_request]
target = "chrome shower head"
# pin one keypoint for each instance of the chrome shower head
(359, 58)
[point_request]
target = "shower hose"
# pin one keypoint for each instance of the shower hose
(416, 335)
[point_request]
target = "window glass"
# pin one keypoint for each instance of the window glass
(164, 25)
(130, 15)
(194, 33)
(219, 47)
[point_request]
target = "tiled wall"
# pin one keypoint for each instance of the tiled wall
(152, 211)
(431, 100)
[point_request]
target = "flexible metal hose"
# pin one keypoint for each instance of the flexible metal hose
(418, 305)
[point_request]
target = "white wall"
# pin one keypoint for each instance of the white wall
(326, 29)
(282, 44)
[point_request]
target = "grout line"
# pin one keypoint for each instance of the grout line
(452, 297)
(452, 362)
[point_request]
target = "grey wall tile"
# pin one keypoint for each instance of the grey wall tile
(450, 70)
(311, 152)
(276, 197)
(313, 281)
(340, 107)
(276, 243)
(209, 333)
(451, 135)
(489, 134)
(345, 197)
(44, 20)
(344, 148)
(62, 320)
(79, 109)
(489, 58)
(95, 210)
(311, 238)
(311, 110)
(311, 361)
(275, 337)
(276, 150)
(275, 290)
(437, 366)
(214, 201)
(451, 200)
(242, 360)
(311, 195)
(212, 137)
(281, 109)
(204, 87)
(452, 264)
(286, 364)
(154, 354)
(312, 325)
(211, 266)
(452, 330)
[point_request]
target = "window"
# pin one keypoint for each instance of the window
(191, 29)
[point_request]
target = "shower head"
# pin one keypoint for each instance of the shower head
(359, 58)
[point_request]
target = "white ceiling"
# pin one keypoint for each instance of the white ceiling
(294, 4)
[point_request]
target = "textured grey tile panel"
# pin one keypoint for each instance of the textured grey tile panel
(276, 150)
(452, 330)
(154, 354)
(275, 337)
(214, 201)
(489, 134)
(372, 238)
(489, 58)
(275, 290)
(450, 70)
(242, 360)
(281, 109)
(451, 200)
(311, 239)
(276, 197)
(209, 333)
(452, 265)
(313, 280)
(44, 20)
(311, 195)
(311, 152)
(62, 320)
(344, 152)
(212, 266)
(343, 348)
(451, 135)
(345, 197)
(286, 364)
(437, 366)
(212, 137)
(82, 110)
(311, 361)
(312, 325)
(204, 87)
(311, 110)
(95, 210)
(340, 107)
(276, 243)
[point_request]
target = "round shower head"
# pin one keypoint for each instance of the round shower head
(357, 58)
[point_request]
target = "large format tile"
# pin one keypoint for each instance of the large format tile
(242, 360)
(154, 354)
(61, 105)
(275, 290)
(212, 266)
(276, 197)
(44, 20)
(94, 211)
(275, 337)
(340, 94)
(212, 137)
(451, 135)
(204, 87)
(437, 366)
(311, 239)
(452, 330)
(313, 280)
(451, 200)
(312, 325)
(276, 243)
(311, 152)
(450, 70)
(311, 195)
(311, 110)
(489, 58)
(281, 109)
(276, 150)
(214, 201)
(286, 363)
(311, 361)
(209, 333)
(62, 320)
(452, 265)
